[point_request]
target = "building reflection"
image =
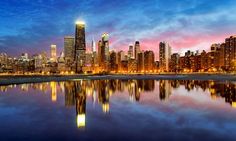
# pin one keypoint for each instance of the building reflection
(80, 100)
(77, 93)
(53, 91)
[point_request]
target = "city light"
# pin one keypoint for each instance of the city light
(81, 120)
(80, 22)
(77, 60)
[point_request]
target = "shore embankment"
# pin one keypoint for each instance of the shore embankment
(20, 79)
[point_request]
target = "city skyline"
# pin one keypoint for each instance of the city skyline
(193, 25)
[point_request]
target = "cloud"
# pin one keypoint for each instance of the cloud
(186, 24)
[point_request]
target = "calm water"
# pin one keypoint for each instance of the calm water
(119, 110)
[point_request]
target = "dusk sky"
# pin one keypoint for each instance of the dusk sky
(32, 25)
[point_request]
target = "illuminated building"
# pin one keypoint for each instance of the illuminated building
(174, 63)
(124, 66)
(230, 52)
(204, 60)
(120, 57)
(53, 53)
(149, 61)
(132, 66)
(164, 55)
(140, 61)
(93, 46)
(80, 45)
(136, 49)
(69, 48)
(103, 52)
(131, 52)
(113, 61)
(222, 56)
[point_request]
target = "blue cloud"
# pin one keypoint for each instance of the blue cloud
(33, 25)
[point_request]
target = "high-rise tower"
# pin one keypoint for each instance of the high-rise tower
(53, 53)
(164, 56)
(80, 45)
(69, 48)
(136, 49)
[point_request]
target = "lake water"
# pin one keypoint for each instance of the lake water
(110, 110)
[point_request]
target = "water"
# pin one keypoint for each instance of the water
(119, 110)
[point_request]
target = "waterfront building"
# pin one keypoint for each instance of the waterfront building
(69, 48)
(164, 55)
(80, 45)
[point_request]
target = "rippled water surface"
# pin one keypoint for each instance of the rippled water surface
(119, 110)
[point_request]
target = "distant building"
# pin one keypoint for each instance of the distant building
(131, 52)
(132, 66)
(113, 62)
(164, 56)
(149, 59)
(136, 49)
(69, 48)
(53, 53)
(174, 63)
(140, 62)
(230, 52)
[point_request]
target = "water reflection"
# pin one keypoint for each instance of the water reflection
(100, 91)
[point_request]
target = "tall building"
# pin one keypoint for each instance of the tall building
(149, 59)
(104, 56)
(53, 53)
(174, 64)
(69, 48)
(80, 45)
(93, 46)
(136, 49)
(120, 58)
(140, 61)
(230, 52)
(164, 56)
(131, 52)
(113, 62)
(222, 56)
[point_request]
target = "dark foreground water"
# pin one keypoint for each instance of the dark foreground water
(108, 110)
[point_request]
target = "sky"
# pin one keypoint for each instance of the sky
(32, 25)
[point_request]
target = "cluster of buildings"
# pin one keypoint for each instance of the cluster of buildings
(77, 58)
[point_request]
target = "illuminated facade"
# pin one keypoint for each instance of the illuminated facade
(136, 49)
(69, 48)
(53, 53)
(80, 46)
(164, 56)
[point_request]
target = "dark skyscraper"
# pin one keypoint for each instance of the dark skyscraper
(80, 45)
(136, 49)
(69, 48)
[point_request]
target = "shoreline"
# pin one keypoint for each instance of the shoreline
(21, 79)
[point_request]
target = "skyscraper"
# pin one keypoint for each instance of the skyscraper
(140, 61)
(93, 46)
(230, 51)
(53, 53)
(80, 45)
(69, 48)
(149, 61)
(136, 49)
(164, 56)
(103, 47)
(131, 52)
(174, 63)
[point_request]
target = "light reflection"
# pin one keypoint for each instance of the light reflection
(53, 91)
(77, 93)
(80, 120)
